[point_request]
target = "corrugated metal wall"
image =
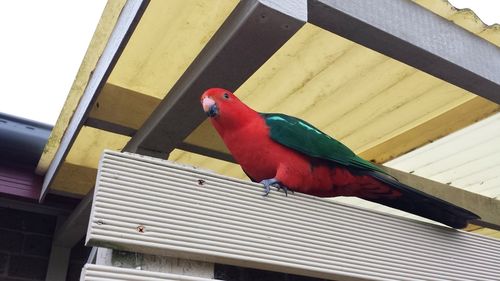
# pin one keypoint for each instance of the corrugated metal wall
(153, 206)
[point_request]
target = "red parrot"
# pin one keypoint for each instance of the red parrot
(290, 154)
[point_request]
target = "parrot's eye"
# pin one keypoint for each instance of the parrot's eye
(226, 96)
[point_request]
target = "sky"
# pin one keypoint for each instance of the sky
(42, 47)
(43, 44)
(487, 10)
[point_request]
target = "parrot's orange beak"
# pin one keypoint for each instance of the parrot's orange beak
(209, 106)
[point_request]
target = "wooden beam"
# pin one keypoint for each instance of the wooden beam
(57, 268)
(251, 34)
(129, 17)
(206, 136)
(74, 180)
(202, 150)
(123, 106)
(110, 127)
(74, 227)
(487, 208)
(414, 35)
(455, 119)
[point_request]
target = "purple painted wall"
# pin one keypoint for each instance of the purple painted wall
(19, 181)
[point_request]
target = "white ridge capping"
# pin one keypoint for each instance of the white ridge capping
(155, 206)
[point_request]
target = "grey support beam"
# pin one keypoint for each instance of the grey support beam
(59, 259)
(206, 152)
(71, 231)
(110, 127)
(251, 34)
(413, 35)
(129, 17)
(58, 263)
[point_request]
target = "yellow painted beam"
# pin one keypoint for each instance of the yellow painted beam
(123, 106)
(488, 232)
(78, 171)
(73, 179)
(448, 122)
(205, 136)
(90, 144)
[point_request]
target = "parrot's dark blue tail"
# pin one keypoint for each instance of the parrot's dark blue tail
(422, 204)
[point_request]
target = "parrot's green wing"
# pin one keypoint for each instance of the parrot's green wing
(305, 138)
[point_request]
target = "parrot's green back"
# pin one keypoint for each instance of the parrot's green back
(305, 138)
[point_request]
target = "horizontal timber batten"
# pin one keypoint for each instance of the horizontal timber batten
(153, 206)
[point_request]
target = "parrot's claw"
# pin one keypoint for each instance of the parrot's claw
(285, 189)
(267, 189)
(274, 182)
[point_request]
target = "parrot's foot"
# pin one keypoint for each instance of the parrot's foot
(274, 182)
(267, 185)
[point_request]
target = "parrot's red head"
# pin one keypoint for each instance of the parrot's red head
(215, 99)
(224, 108)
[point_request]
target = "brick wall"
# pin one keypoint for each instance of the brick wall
(25, 243)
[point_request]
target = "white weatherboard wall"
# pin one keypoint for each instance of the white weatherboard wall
(468, 159)
(153, 206)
